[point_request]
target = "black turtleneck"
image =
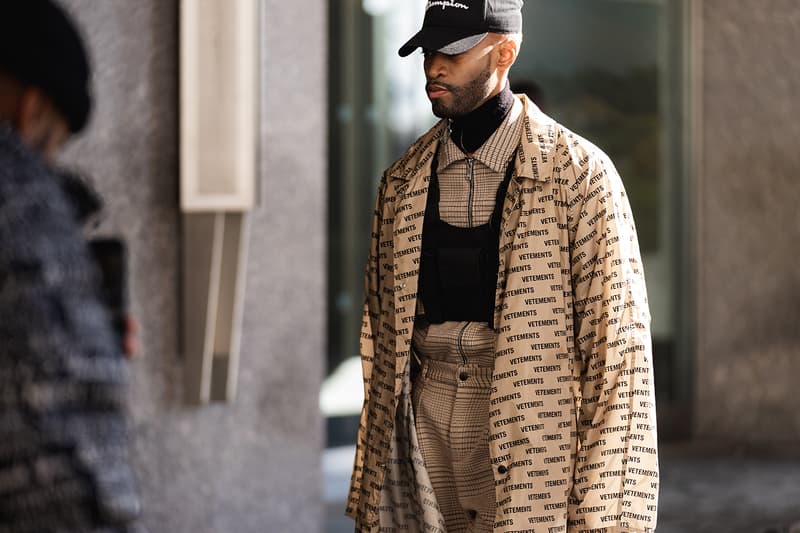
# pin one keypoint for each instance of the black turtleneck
(470, 131)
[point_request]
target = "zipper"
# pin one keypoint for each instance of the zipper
(461, 343)
(471, 180)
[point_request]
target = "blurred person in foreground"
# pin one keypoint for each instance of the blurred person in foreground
(505, 340)
(63, 433)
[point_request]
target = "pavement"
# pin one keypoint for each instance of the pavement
(705, 488)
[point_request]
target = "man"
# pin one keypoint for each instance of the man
(505, 341)
(63, 436)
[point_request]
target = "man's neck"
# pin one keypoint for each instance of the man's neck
(470, 131)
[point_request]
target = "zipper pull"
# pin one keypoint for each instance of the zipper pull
(471, 181)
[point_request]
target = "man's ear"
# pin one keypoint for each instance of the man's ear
(508, 51)
(31, 113)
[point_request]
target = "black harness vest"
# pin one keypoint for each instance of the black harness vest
(458, 268)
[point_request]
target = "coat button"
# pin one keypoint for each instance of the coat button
(502, 469)
(463, 376)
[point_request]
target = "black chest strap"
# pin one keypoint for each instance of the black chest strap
(458, 269)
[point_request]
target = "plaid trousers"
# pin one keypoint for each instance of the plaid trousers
(451, 407)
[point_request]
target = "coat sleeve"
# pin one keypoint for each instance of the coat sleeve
(616, 470)
(369, 327)
(372, 303)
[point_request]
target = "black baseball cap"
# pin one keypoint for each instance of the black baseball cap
(454, 26)
(41, 46)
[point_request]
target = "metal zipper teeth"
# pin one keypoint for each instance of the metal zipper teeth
(461, 343)
(471, 180)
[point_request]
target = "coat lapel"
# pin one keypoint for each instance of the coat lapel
(410, 179)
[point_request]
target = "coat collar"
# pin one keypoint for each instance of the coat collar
(496, 152)
(534, 160)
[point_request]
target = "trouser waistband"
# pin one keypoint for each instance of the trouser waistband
(456, 374)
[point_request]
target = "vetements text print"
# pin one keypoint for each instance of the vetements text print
(572, 427)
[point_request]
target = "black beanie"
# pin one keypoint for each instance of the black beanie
(40, 45)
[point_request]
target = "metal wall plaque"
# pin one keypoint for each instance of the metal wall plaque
(219, 104)
(219, 119)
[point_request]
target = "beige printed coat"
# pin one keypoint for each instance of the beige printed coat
(572, 427)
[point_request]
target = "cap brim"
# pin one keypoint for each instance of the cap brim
(444, 40)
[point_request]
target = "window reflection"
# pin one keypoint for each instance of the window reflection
(610, 70)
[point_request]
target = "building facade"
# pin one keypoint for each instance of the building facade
(726, 82)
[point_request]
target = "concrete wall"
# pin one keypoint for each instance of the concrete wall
(747, 198)
(252, 466)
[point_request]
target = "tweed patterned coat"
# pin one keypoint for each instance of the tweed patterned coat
(572, 427)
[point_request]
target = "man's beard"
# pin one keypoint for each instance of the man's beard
(464, 98)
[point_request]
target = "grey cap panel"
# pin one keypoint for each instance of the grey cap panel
(461, 46)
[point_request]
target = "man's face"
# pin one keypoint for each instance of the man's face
(34, 116)
(458, 84)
